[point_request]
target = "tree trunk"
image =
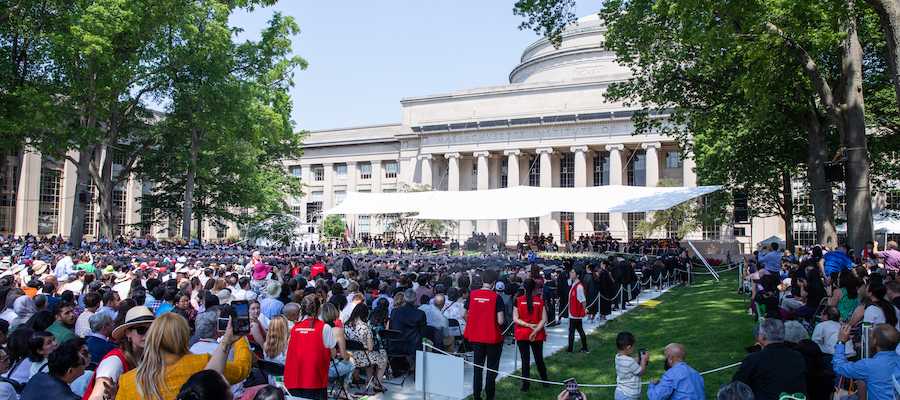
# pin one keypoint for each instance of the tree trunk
(187, 216)
(819, 189)
(853, 137)
(888, 12)
(76, 233)
(787, 199)
(4, 156)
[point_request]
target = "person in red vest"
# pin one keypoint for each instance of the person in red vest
(317, 268)
(577, 308)
(310, 349)
(484, 316)
(530, 316)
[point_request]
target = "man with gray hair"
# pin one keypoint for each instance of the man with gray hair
(774, 369)
(735, 390)
(10, 314)
(205, 326)
(291, 311)
(101, 327)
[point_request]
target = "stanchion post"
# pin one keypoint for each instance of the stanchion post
(424, 359)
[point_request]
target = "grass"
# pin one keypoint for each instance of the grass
(709, 318)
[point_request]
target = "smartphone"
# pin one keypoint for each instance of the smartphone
(572, 388)
(239, 311)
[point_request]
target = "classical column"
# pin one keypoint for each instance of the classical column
(689, 178)
(453, 173)
(512, 180)
(617, 226)
(546, 180)
(582, 223)
(352, 174)
(67, 197)
(652, 165)
(483, 179)
(328, 190)
(28, 192)
(377, 174)
(427, 176)
(306, 179)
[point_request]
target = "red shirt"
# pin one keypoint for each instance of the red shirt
(533, 317)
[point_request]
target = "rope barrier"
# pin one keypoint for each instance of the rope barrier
(510, 375)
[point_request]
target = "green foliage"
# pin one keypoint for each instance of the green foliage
(332, 227)
(280, 229)
(686, 217)
(409, 227)
(547, 18)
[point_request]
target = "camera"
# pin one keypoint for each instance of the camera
(239, 311)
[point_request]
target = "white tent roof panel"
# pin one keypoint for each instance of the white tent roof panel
(519, 202)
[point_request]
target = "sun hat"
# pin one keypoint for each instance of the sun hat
(121, 277)
(136, 316)
(273, 290)
(39, 267)
(260, 270)
(224, 296)
(109, 270)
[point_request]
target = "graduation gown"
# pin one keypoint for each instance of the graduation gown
(608, 288)
(591, 289)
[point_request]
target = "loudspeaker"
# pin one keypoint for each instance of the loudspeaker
(834, 173)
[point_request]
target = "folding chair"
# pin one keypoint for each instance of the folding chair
(337, 384)
(270, 368)
(460, 341)
(353, 345)
(397, 348)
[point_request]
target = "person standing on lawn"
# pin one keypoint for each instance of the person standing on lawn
(484, 316)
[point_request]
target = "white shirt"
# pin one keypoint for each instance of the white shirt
(579, 295)
(83, 325)
(627, 380)
(239, 294)
(22, 372)
(8, 315)
(111, 367)
(826, 334)
(348, 309)
(122, 288)
(875, 315)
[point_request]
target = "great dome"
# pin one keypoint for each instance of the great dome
(581, 56)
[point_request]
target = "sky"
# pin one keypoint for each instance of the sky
(365, 56)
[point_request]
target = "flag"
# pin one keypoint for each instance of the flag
(347, 231)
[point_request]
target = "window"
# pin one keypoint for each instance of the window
(804, 238)
(711, 231)
(90, 219)
(567, 170)
(8, 200)
(297, 172)
(633, 219)
(221, 228)
(119, 201)
(48, 207)
(534, 226)
(534, 173)
(363, 224)
(504, 172)
(637, 169)
(341, 172)
(314, 207)
(892, 199)
(339, 196)
(365, 171)
(297, 207)
(318, 173)
(389, 191)
(119, 157)
(601, 169)
(502, 228)
(601, 221)
(673, 160)
(390, 170)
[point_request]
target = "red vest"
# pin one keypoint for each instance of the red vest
(307, 361)
(575, 308)
(114, 353)
(317, 268)
(533, 317)
(481, 325)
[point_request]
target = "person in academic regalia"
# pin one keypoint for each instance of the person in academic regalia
(608, 288)
(591, 289)
(562, 289)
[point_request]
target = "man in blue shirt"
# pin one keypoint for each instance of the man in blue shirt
(772, 259)
(875, 371)
(836, 260)
(680, 381)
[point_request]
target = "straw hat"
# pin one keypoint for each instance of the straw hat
(136, 316)
(39, 267)
(225, 296)
(273, 290)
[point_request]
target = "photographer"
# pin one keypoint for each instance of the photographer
(876, 371)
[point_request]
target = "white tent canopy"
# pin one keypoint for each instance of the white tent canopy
(519, 202)
(886, 221)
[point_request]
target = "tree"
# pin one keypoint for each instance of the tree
(410, 227)
(333, 227)
(281, 229)
(802, 61)
(230, 103)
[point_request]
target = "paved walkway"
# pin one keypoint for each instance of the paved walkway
(557, 339)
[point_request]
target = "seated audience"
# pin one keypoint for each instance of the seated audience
(65, 364)
(205, 325)
(774, 369)
(205, 385)
(98, 341)
(132, 337)
(876, 372)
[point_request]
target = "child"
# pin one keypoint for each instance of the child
(628, 370)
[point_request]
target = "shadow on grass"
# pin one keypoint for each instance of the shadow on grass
(708, 318)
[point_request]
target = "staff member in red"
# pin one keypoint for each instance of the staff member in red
(310, 349)
(530, 316)
(484, 315)
(577, 307)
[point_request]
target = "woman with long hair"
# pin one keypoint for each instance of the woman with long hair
(18, 351)
(530, 316)
(881, 311)
(453, 309)
(310, 351)
(374, 356)
(380, 316)
(819, 375)
(168, 364)
(219, 285)
(276, 345)
(342, 365)
(813, 290)
(41, 344)
(132, 336)
(257, 330)
(844, 299)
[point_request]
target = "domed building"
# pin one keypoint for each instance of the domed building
(550, 126)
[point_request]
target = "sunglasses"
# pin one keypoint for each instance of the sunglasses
(141, 330)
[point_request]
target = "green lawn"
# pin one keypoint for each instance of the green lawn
(709, 318)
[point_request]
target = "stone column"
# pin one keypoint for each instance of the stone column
(427, 176)
(453, 186)
(513, 235)
(617, 226)
(306, 179)
(67, 197)
(328, 190)
(582, 223)
(377, 175)
(482, 183)
(546, 181)
(652, 165)
(352, 176)
(28, 192)
(689, 178)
